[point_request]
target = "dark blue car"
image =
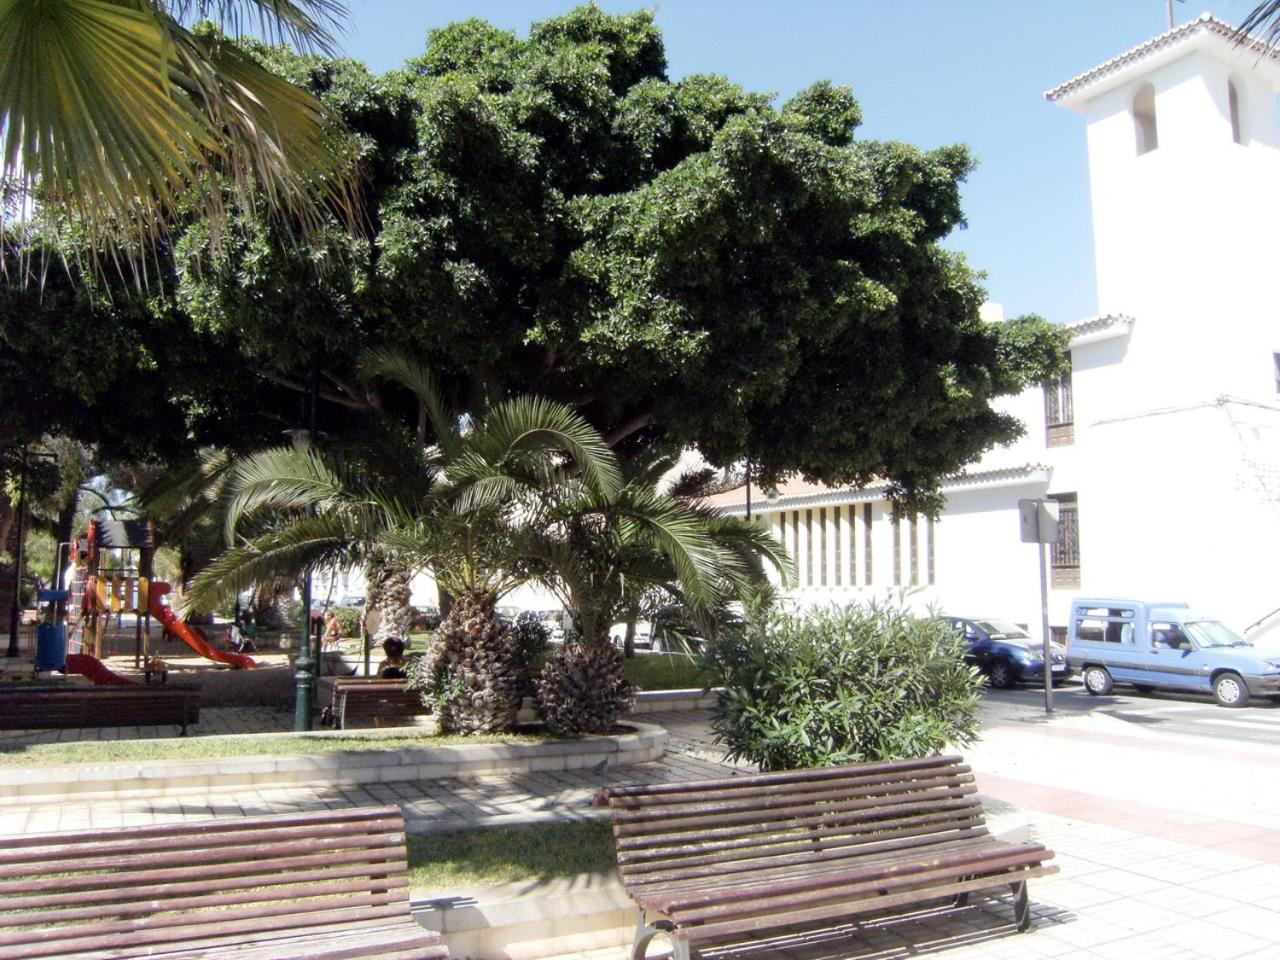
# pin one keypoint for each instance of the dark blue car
(1006, 653)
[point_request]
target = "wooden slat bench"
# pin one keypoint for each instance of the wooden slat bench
(67, 706)
(721, 859)
(331, 885)
(360, 700)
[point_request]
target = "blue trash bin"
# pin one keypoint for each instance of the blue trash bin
(51, 646)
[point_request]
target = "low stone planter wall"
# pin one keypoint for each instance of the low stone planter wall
(163, 777)
(532, 921)
(669, 701)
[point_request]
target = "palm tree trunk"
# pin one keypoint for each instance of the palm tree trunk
(389, 593)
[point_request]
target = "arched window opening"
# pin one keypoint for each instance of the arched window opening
(1233, 109)
(1144, 118)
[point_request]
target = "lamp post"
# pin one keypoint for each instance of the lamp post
(15, 609)
(305, 666)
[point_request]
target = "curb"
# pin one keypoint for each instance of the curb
(154, 778)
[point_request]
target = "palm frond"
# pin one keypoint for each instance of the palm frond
(288, 552)
(535, 426)
(116, 115)
(403, 368)
(282, 478)
(304, 24)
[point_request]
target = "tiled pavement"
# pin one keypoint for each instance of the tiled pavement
(1169, 849)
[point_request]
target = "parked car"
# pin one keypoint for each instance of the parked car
(1154, 644)
(643, 638)
(350, 600)
(1006, 653)
(553, 621)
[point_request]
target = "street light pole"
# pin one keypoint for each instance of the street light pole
(305, 665)
(15, 609)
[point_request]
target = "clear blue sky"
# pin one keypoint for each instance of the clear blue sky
(929, 72)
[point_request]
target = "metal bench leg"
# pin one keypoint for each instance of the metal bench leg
(1021, 906)
(646, 931)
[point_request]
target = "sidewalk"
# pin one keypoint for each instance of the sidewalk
(1169, 847)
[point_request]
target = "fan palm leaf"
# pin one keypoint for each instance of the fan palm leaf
(113, 112)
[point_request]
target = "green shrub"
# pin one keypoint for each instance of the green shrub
(349, 618)
(842, 685)
(532, 640)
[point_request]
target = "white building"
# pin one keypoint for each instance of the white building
(1163, 445)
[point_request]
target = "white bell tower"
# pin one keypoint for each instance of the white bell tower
(1184, 167)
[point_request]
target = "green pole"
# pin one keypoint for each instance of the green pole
(305, 665)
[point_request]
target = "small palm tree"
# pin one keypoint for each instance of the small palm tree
(605, 554)
(116, 113)
(454, 502)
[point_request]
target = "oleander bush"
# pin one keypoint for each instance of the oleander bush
(841, 685)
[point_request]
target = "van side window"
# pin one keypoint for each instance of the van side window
(1092, 630)
(1168, 636)
(1103, 625)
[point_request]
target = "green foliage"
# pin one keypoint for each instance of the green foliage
(842, 685)
(667, 671)
(554, 215)
(349, 619)
(532, 639)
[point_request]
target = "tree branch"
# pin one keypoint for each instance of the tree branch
(329, 395)
(634, 425)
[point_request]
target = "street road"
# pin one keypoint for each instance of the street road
(1175, 713)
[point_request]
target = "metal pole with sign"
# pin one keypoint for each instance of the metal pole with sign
(1038, 524)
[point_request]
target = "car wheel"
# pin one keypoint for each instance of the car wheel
(1230, 690)
(1097, 680)
(1143, 687)
(1001, 674)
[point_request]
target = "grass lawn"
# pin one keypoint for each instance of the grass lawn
(199, 748)
(665, 671)
(475, 858)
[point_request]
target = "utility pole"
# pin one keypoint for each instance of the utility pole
(15, 609)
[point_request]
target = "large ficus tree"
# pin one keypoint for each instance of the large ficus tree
(686, 263)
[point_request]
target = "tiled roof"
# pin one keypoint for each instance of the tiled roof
(1082, 328)
(1179, 34)
(797, 492)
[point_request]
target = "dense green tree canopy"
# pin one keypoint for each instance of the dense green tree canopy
(685, 262)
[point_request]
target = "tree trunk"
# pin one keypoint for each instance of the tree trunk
(269, 606)
(388, 591)
(629, 645)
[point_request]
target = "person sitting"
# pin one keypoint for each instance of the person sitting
(238, 637)
(333, 634)
(393, 665)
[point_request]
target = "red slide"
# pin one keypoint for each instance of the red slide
(192, 638)
(96, 670)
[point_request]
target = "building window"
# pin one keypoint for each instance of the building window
(1233, 110)
(928, 531)
(1064, 556)
(866, 543)
(1144, 119)
(897, 552)
(837, 534)
(1059, 412)
(808, 547)
(1275, 359)
(913, 541)
(822, 547)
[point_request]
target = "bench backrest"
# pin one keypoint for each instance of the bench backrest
(54, 707)
(62, 894)
(683, 831)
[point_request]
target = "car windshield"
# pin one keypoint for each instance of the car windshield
(1211, 633)
(1003, 628)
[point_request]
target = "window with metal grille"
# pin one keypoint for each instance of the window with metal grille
(929, 540)
(1059, 415)
(866, 542)
(1064, 556)
(897, 552)
(837, 534)
(808, 548)
(822, 547)
(1275, 358)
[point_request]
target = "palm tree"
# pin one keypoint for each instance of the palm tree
(454, 503)
(1263, 22)
(116, 113)
(605, 555)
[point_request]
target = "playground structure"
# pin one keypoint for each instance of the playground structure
(114, 576)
